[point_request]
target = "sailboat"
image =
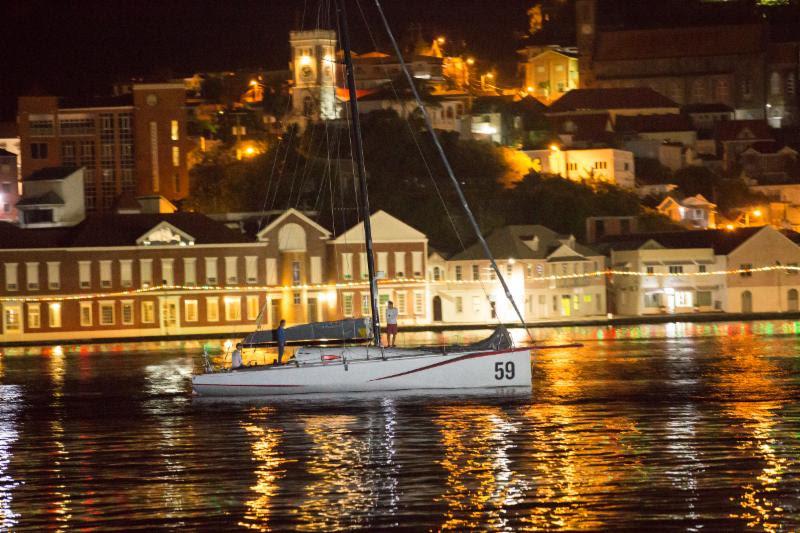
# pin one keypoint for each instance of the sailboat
(330, 365)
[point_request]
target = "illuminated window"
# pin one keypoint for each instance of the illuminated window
(253, 307)
(347, 266)
(148, 312)
(145, 272)
(54, 312)
(85, 274)
(347, 304)
(105, 273)
(212, 309)
(127, 312)
(399, 264)
(190, 310)
(54, 275)
(176, 156)
(32, 276)
(174, 130)
(190, 271)
(86, 313)
(295, 272)
(34, 316)
(233, 308)
(211, 270)
(297, 298)
(106, 313)
(251, 268)
(747, 270)
(231, 270)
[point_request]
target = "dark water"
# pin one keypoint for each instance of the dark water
(697, 433)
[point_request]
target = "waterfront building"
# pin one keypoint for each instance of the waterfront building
(738, 271)
(133, 144)
(590, 165)
(551, 276)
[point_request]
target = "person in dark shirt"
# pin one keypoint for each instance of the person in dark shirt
(281, 337)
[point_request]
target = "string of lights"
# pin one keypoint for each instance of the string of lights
(364, 284)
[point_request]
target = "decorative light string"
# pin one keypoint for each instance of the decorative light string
(386, 282)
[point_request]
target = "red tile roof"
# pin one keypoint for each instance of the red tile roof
(681, 42)
(583, 127)
(603, 99)
(742, 130)
(653, 123)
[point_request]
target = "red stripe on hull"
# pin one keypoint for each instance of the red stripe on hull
(441, 363)
(236, 385)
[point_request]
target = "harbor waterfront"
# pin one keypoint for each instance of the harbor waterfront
(672, 426)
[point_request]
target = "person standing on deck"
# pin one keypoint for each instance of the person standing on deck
(236, 357)
(391, 324)
(281, 337)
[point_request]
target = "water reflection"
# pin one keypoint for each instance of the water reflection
(481, 484)
(270, 467)
(10, 402)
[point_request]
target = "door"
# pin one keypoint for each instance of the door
(792, 299)
(437, 309)
(12, 321)
(566, 305)
(275, 310)
(747, 302)
(312, 310)
(169, 314)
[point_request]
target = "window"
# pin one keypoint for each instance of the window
(231, 274)
(126, 273)
(347, 266)
(34, 316)
(190, 271)
(703, 299)
(38, 150)
(54, 314)
(173, 127)
(148, 312)
(32, 276)
(233, 308)
(145, 272)
(251, 268)
(296, 298)
(683, 299)
(383, 262)
(211, 270)
(676, 269)
(347, 304)
(253, 307)
(272, 271)
(53, 275)
(105, 274)
(437, 273)
(86, 313)
(746, 269)
(190, 310)
(316, 269)
(792, 270)
(176, 156)
(11, 276)
(509, 270)
(476, 273)
(600, 165)
(416, 263)
(85, 274)
(127, 312)
(212, 309)
(419, 303)
(41, 125)
(106, 313)
(701, 268)
(459, 304)
(458, 273)
(402, 309)
(650, 270)
(399, 264)
(652, 300)
(363, 269)
(167, 271)
(295, 272)
(365, 306)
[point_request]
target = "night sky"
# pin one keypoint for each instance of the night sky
(81, 47)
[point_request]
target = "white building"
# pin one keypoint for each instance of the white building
(589, 165)
(52, 197)
(551, 277)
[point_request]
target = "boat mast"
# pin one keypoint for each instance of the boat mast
(358, 155)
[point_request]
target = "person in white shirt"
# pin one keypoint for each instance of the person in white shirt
(391, 325)
(236, 357)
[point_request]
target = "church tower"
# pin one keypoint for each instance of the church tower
(586, 32)
(314, 70)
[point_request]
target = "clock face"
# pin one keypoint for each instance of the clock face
(152, 99)
(306, 73)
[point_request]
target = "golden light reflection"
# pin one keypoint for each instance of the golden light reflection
(745, 379)
(266, 452)
(57, 368)
(341, 480)
(10, 401)
(61, 498)
(481, 484)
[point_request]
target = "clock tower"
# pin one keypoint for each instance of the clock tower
(313, 67)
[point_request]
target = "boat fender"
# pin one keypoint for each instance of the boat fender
(346, 367)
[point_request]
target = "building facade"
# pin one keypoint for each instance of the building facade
(133, 144)
(591, 165)
(9, 186)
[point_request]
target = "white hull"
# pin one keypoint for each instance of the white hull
(399, 371)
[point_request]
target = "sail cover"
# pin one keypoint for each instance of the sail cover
(350, 329)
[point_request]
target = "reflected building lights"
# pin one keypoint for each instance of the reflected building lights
(10, 400)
